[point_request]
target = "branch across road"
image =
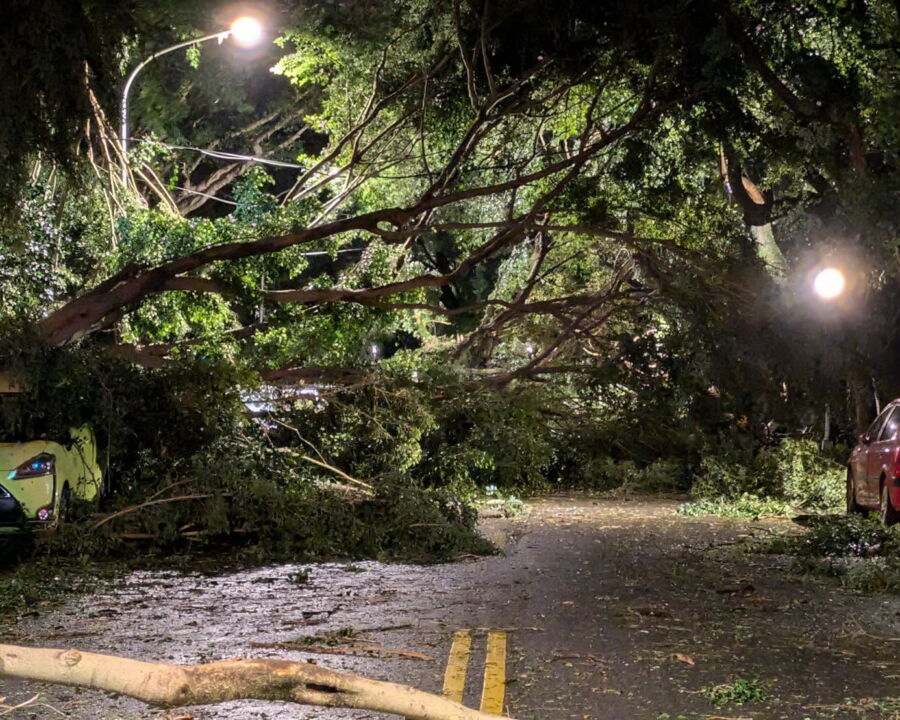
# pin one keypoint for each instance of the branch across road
(175, 686)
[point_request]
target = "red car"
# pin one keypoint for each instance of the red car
(873, 473)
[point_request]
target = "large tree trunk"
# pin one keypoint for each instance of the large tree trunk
(178, 686)
(756, 207)
(768, 250)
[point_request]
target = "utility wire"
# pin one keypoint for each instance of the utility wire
(223, 155)
(206, 195)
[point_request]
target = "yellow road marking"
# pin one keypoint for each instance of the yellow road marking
(494, 674)
(457, 664)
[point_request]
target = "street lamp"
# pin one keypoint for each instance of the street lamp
(245, 30)
(829, 283)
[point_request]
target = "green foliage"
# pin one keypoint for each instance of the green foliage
(240, 488)
(720, 477)
(862, 553)
(483, 438)
(671, 349)
(183, 433)
(601, 472)
(738, 692)
(52, 43)
(41, 579)
(872, 576)
(288, 511)
(848, 536)
(746, 505)
(497, 501)
(58, 241)
(796, 471)
(781, 479)
(664, 475)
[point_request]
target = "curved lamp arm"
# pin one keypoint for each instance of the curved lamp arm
(123, 131)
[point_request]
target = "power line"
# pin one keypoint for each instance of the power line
(206, 195)
(223, 155)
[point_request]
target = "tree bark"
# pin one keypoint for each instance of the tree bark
(756, 207)
(183, 685)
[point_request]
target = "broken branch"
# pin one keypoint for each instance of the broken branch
(182, 685)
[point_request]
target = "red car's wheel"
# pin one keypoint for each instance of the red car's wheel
(886, 511)
(853, 507)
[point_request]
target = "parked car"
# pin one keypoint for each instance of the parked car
(41, 477)
(873, 473)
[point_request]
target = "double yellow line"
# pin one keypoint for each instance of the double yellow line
(494, 686)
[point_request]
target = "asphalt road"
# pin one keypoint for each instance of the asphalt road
(602, 608)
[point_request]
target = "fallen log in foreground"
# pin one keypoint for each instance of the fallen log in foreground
(181, 685)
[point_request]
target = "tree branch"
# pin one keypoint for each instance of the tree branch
(85, 313)
(803, 109)
(183, 685)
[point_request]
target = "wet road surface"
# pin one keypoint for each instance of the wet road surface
(609, 609)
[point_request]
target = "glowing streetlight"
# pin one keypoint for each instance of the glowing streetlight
(829, 283)
(245, 30)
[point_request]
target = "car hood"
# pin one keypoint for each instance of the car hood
(14, 454)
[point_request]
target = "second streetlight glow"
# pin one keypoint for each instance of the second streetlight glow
(246, 31)
(829, 283)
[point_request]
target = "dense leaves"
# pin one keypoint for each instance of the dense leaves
(49, 50)
(505, 244)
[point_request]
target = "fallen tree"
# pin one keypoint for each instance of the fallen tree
(184, 685)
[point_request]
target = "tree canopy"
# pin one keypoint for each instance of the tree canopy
(516, 229)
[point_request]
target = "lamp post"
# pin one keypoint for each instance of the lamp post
(246, 31)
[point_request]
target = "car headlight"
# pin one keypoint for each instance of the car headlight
(35, 467)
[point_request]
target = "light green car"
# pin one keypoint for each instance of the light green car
(40, 478)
